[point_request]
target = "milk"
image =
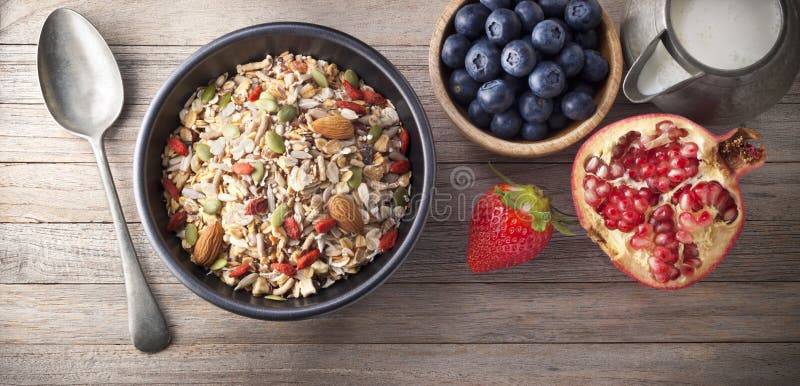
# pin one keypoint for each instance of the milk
(726, 34)
(722, 34)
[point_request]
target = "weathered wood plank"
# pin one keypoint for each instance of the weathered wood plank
(73, 192)
(430, 313)
(87, 253)
(30, 135)
(406, 364)
(151, 23)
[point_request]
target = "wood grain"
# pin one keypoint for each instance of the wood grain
(84, 253)
(428, 313)
(72, 192)
(406, 364)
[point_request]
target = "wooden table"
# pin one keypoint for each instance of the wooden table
(567, 317)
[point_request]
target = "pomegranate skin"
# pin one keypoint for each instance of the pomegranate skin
(725, 164)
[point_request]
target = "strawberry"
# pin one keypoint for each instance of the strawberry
(510, 225)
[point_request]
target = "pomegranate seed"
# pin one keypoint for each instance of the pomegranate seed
(663, 212)
(663, 227)
(647, 170)
(690, 250)
(616, 170)
(704, 219)
(663, 184)
(610, 224)
(687, 222)
(664, 238)
(676, 175)
(591, 198)
(592, 164)
(603, 190)
(678, 162)
(715, 192)
(688, 201)
(730, 214)
(589, 182)
(602, 171)
(684, 237)
(644, 229)
(640, 242)
(692, 262)
(641, 204)
(665, 255)
(613, 213)
(689, 150)
(625, 226)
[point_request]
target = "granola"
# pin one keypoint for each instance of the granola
(250, 175)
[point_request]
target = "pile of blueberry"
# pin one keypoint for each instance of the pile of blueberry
(502, 46)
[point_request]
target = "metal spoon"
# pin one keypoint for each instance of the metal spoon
(82, 88)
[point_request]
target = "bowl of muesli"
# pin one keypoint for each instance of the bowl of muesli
(284, 171)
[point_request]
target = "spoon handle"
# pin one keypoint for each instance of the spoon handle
(147, 326)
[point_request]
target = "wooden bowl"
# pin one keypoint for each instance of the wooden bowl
(610, 48)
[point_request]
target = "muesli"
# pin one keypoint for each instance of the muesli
(287, 176)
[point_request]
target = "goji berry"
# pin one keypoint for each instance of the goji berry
(324, 225)
(388, 240)
(256, 206)
(177, 221)
(239, 270)
(284, 268)
(307, 259)
(373, 98)
(291, 228)
(404, 139)
(242, 168)
(170, 188)
(354, 93)
(177, 146)
(359, 109)
(255, 94)
(400, 167)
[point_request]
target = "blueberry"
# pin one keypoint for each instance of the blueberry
(529, 14)
(462, 87)
(547, 80)
(577, 105)
(518, 58)
(595, 66)
(571, 59)
(553, 8)
(534, 131)
(582, 15)
(586, 39)
(533, 108)
(567, 30)
(478, 115)
(483, 61)
(494, 4)
(496, 96)
(454, 50)
(470, 20)
(548, 36)
(502, 26)
(581, 86)
(506, 125)
(557, 120)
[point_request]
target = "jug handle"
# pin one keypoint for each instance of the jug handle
(630, 86)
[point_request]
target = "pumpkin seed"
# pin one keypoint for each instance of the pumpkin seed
(208, 93)
(374, 133)
(268, 105)
(231, 131)
(275, 142)
(399, 196)
(278, 215)
(218, 264)
(355, 180)
(275, 298)
(258, 173)
(212, 205)
(224, 101)
(351, 77)
(190, 234)
(287, 113)
(203, 152)
(320, 78)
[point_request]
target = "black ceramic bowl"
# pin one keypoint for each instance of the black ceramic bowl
(247, 45)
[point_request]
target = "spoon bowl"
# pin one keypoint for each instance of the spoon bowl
(82, 89)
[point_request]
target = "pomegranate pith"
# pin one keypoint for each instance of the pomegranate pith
(660, 195)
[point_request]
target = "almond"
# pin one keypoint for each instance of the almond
(344, 210)
(208, 245)
(333, 127)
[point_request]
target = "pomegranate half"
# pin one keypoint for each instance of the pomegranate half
(660, 195)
